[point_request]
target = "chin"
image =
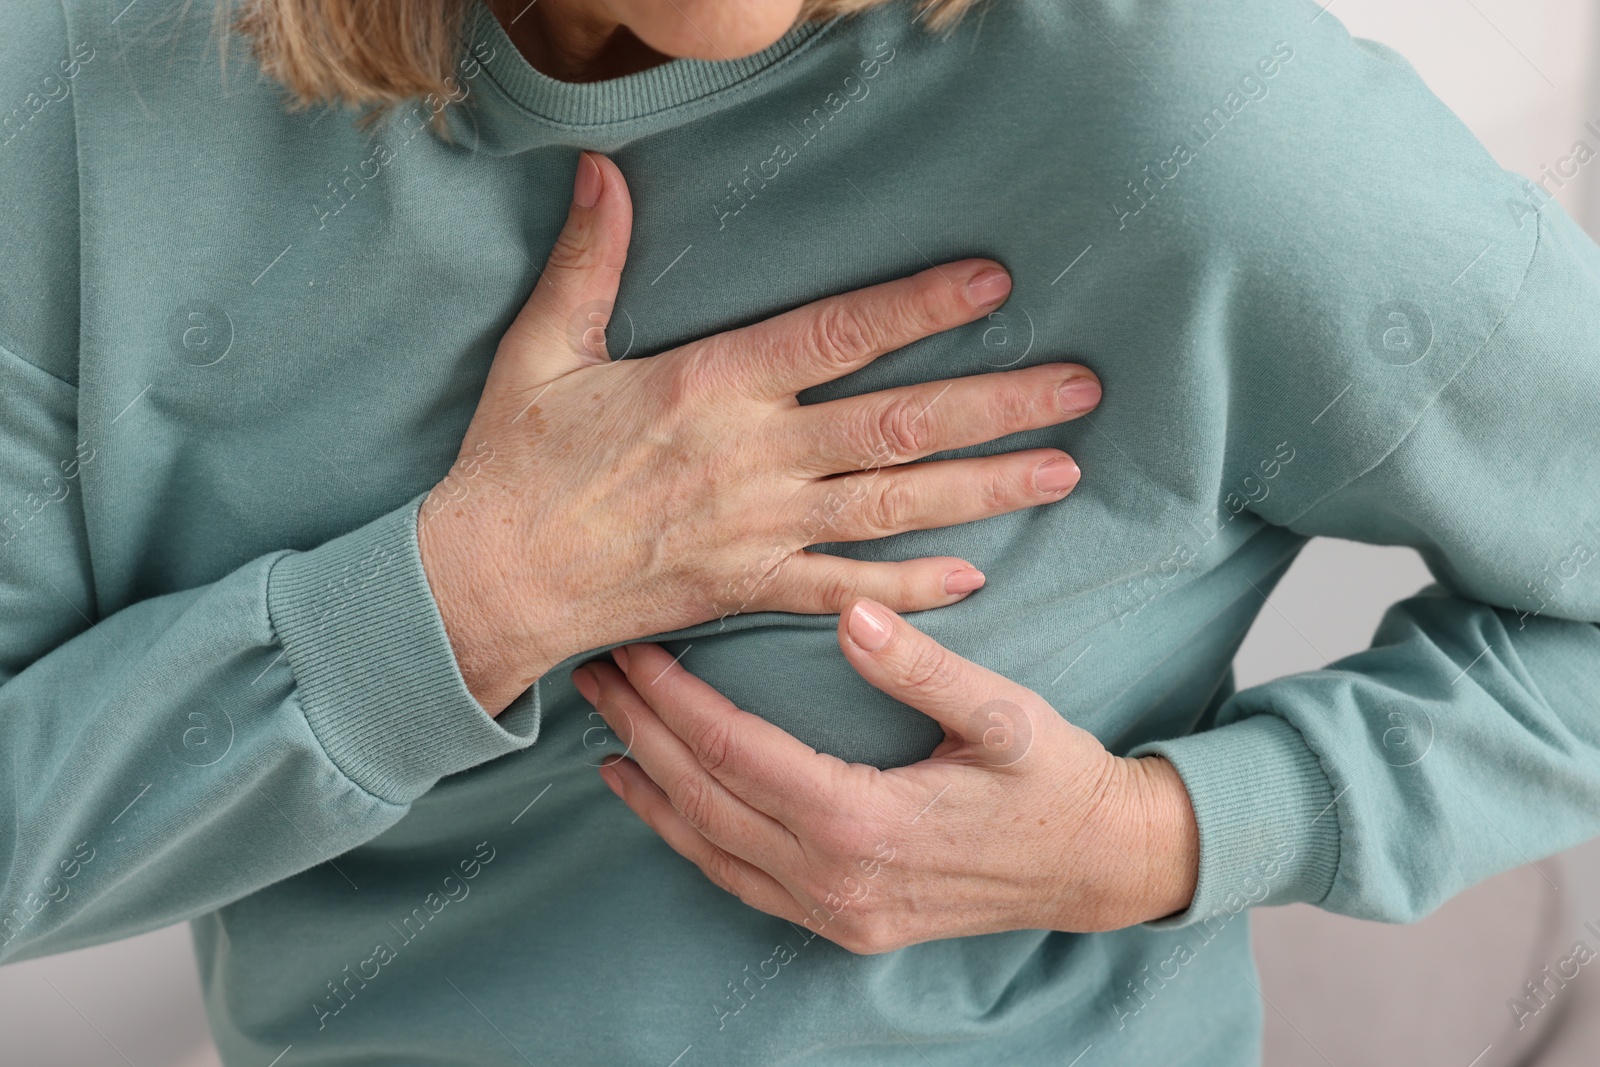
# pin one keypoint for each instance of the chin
(712, 29)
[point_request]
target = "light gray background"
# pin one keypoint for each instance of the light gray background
(1522, 74)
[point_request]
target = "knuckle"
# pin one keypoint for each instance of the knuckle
(843, 932)
(696, 802)
(901, 427)
(860, 934)
(834, 589)
(572, 251)
(841, 336)
(928, 669)
(895, 506)
(998, 492)
(934, 306)
(687, 378)
(867, 942)
(879, 942)
(712, 743)
(1014, 406)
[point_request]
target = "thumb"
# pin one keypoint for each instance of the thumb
(562, 326)
(993, 715)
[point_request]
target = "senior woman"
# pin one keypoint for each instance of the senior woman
(316, 522)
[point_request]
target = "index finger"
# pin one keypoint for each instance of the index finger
(837, 335)
(763, 765)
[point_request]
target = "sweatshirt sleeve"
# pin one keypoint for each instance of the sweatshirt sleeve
(180, 753)
(164, 759)
(1466, 739)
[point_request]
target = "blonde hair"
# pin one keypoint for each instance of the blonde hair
(373, 56)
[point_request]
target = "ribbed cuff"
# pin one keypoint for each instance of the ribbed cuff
(1269, 830)
(378, 681)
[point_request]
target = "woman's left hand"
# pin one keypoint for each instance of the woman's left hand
(1018, 821)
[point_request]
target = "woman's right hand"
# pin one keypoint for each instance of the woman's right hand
(596, 502)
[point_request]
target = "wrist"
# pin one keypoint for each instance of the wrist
(1143, 845)
(1168, 838)
(476, 620)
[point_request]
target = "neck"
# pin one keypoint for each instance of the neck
(574, 40)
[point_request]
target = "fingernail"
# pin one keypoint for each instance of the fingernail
(586, 186)
(1078, 395)
(868, 626)
(620, 654)
(612, 780)
(988, 287)
(583, 679)
(1055, 475)
(964, 580)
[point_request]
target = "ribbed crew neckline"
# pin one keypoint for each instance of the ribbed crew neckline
(586, 105)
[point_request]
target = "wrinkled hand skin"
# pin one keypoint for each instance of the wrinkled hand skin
(594, 501)
(1019, 820)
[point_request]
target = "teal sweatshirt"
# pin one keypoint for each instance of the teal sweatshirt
(238, 345)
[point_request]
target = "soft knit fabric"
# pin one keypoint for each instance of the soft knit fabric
(239, 344)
